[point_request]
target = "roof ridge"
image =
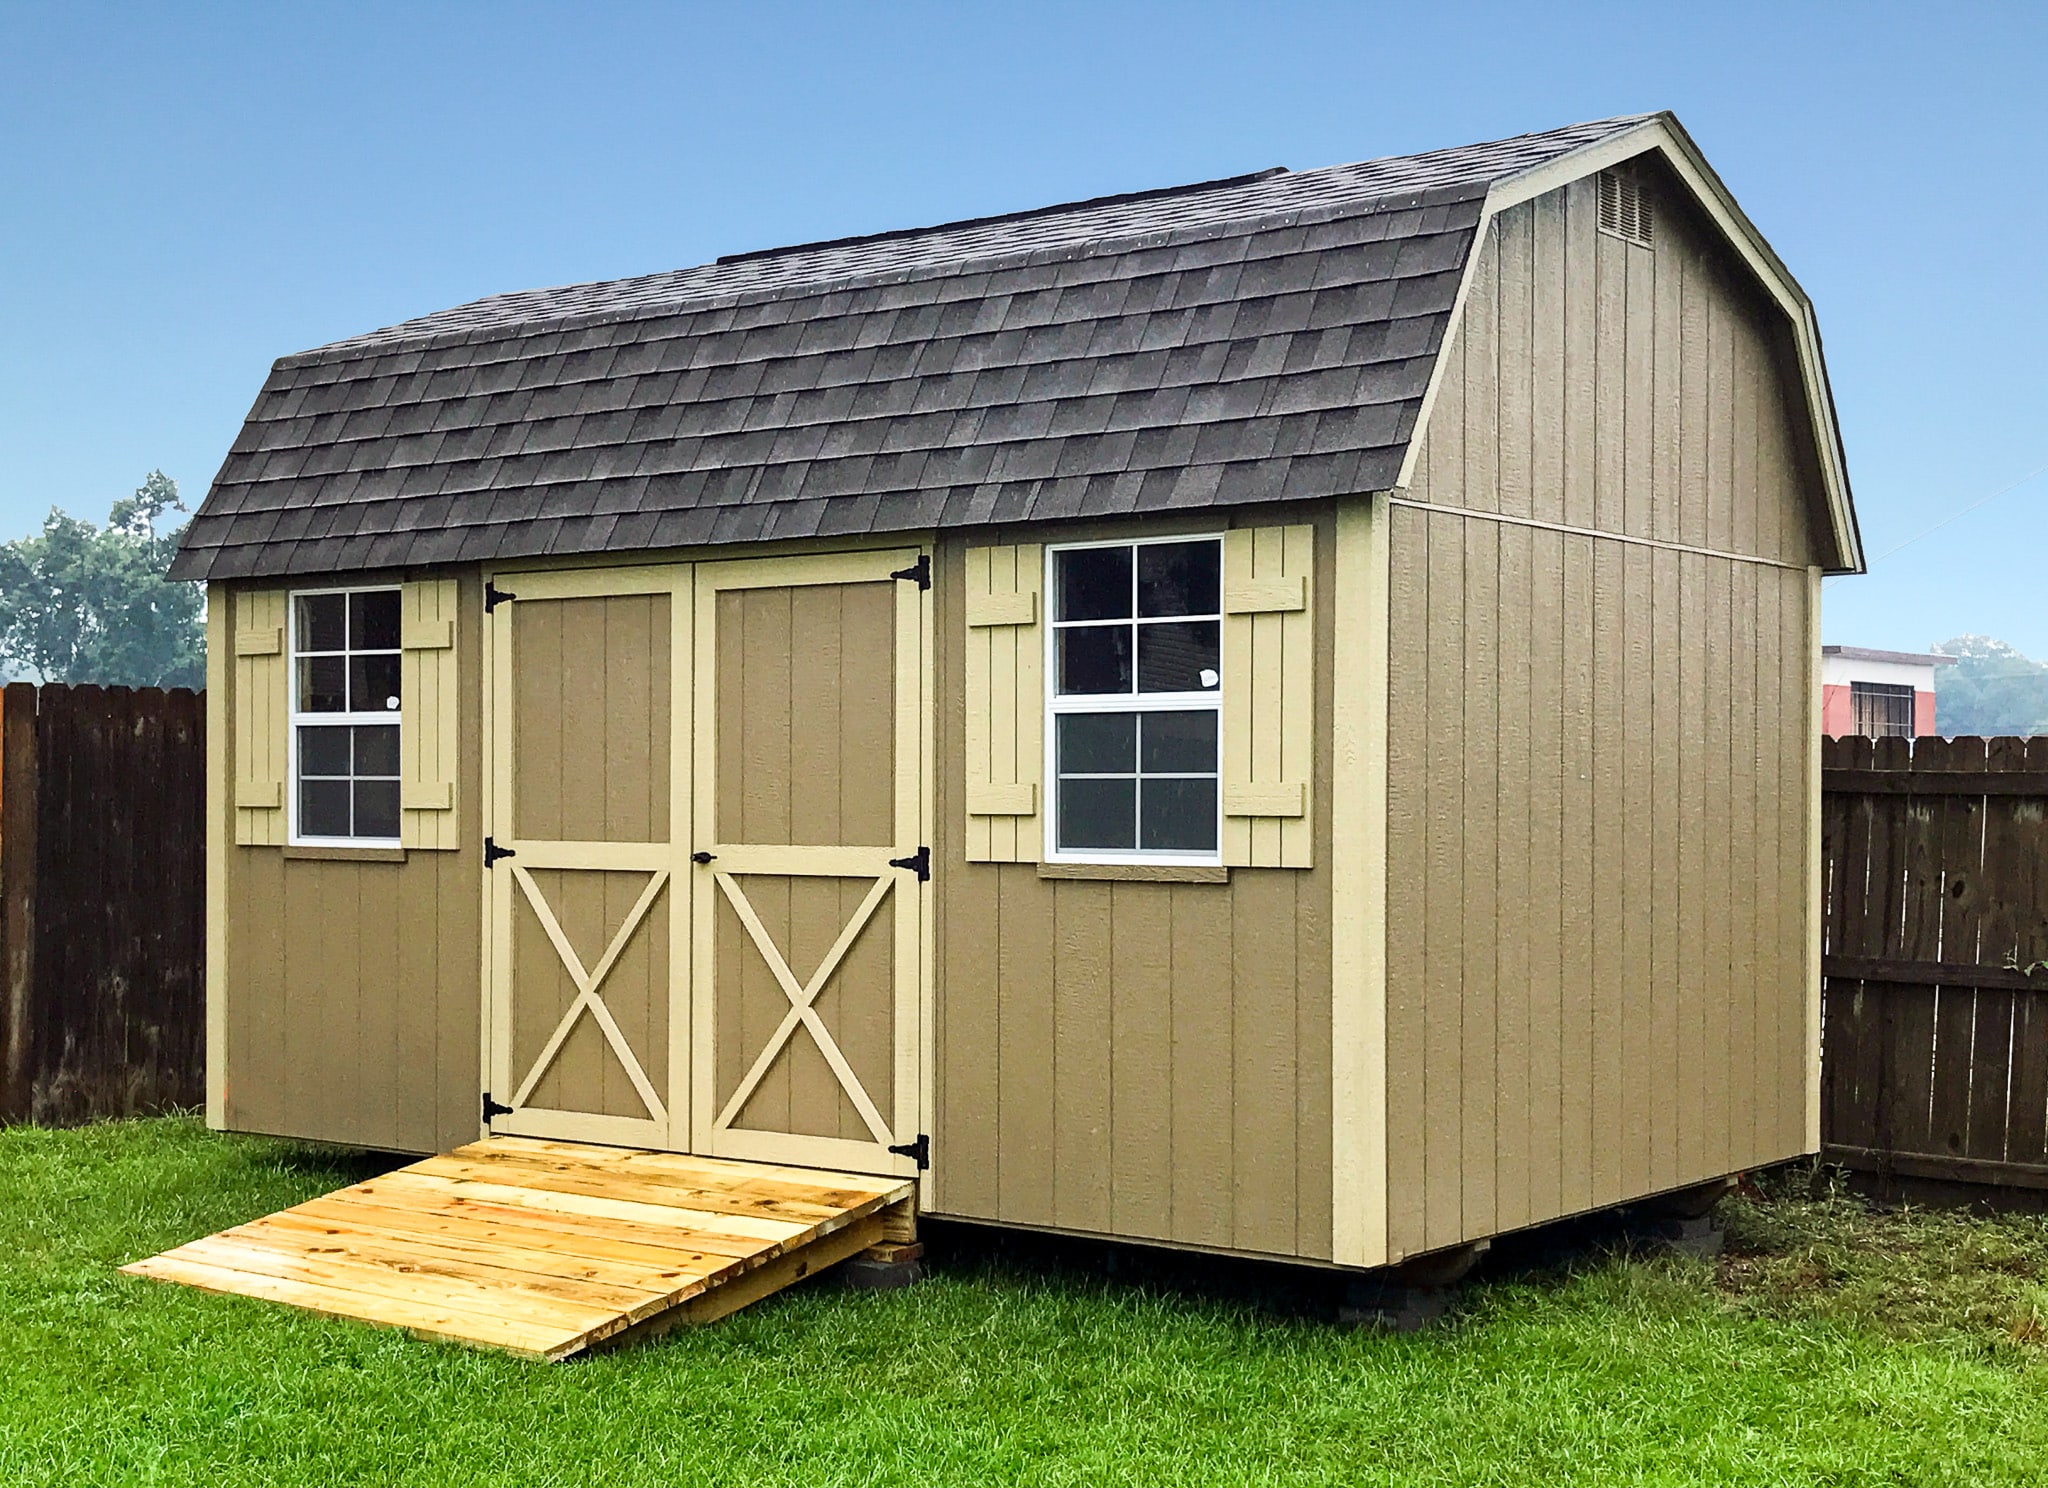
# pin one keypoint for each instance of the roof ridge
(1026, 214)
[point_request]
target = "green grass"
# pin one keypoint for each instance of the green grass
(1838, 1345)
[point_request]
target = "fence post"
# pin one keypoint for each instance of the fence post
(19, 789)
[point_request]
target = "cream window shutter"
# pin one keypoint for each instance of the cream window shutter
(1005, 703)
(427, 717)
(1268, 696)
(262, 722)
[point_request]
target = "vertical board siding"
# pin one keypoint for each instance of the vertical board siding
(1141, 1059)
(1596, 749)
(353, 988)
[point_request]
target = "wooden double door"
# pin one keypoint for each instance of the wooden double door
(708, 815)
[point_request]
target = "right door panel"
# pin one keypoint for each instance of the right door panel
(808, 779)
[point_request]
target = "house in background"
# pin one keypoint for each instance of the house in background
(1277, 717)
(1877, 694)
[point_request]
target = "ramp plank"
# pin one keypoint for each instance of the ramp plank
(544, 1248)
(500, 1223)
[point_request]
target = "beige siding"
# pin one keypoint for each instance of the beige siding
(1665, 375)
(352, 988)
(1141, 1059)
(1596, 751)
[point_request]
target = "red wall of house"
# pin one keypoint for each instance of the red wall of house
(1837, 715)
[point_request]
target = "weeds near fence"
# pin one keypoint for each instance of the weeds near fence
(1803, 1245)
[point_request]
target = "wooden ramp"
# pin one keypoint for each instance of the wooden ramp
(546, 1248)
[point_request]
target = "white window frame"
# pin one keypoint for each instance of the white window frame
(1057, 706)
(294, 717)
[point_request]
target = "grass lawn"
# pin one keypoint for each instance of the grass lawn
(1833, 1345)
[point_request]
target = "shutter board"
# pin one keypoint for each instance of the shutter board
(1002, 800)
(258, 795)
(1288, 798)
(421, 634)
(1268, 696)
(261, 720)
(428, 691)
(1005, 703)
(1262, 596)
(1017, 607)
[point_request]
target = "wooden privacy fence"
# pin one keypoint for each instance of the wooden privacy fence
(102, 901)
(1935, 1040)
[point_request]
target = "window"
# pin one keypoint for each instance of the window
(344, 706)
(1884, 710)
(1136, 659)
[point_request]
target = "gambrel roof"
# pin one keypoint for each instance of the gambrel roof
(1263, 338)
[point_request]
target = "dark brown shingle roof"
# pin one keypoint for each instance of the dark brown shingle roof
(1260, 339)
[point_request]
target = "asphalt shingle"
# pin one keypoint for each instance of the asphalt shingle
(1260, 339)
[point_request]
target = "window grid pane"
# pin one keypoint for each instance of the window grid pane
(1138, 619)
(1137, 781)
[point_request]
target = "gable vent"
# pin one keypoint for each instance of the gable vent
(1624, 210)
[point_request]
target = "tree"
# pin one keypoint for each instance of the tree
(80, 603)
(1991, 690)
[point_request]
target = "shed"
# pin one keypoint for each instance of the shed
(1277, 716)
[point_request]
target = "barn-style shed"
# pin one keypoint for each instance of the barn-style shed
(1276, 716)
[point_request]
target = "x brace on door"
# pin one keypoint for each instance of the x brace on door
(801, 998)
(587, 983)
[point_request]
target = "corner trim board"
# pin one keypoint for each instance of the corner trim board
(219, 812)
(1814, 964)
(1358, 890)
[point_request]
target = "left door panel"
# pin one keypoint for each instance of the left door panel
(588, 681)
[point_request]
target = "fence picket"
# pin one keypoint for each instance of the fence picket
(102, 901)
(1926, 1078)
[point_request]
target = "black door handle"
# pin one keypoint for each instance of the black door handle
(701, 856)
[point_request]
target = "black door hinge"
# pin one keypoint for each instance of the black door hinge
(493, 852)
(494, 596)
(919, 573)
(919, 1152)
(919, 862)
(493, 1108)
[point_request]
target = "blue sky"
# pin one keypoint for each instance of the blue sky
(189, 192)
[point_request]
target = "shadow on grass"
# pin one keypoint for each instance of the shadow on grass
(1279, 1290)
